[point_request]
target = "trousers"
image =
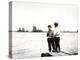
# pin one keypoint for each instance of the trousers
(51, 42)
(57, 43)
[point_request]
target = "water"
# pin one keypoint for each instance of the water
(25, 45)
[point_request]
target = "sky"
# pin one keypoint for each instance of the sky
(27, 14)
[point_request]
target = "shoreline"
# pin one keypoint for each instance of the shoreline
(45, 32)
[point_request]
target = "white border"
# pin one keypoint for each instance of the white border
(4, 25)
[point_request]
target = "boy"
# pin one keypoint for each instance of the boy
(50, 38)
(57, 37)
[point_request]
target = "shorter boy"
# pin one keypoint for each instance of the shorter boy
(50, 38)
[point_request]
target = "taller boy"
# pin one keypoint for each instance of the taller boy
(57, 37)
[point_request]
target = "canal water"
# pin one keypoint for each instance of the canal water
(28, 45)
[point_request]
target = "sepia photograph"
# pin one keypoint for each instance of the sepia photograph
(42, 29)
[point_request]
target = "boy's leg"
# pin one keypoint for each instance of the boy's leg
(53, 44)
(49, 44)
(58, 43)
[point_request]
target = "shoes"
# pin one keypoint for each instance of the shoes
(58, 51)
(49, 50)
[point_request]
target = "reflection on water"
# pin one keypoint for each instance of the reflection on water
(26, 44)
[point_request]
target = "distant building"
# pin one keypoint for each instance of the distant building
(23, 30)
(19, 30)
(33, 30)
(36, 30)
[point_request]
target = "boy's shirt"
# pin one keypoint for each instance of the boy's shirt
(57, 32)
(50, 34)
